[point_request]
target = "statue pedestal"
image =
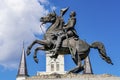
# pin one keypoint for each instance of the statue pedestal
(73, 77)
(49, 73)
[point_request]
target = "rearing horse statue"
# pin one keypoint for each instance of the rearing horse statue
(79, 49)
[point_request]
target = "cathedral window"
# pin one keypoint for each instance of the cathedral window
(52, 67)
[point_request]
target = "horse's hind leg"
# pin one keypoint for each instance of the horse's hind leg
(35, 53)
(79, 66)
(42, 42)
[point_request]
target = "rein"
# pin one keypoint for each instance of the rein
(42, 28)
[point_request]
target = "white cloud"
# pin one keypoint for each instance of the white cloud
(19, 20)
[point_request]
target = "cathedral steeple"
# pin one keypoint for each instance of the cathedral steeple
(87, 66)
(22, 70)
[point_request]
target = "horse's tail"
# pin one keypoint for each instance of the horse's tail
(101, 48)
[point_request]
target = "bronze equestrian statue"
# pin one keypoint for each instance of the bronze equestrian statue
(62, 39)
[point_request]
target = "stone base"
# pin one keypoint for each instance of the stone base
(49, 73)
(73, 77)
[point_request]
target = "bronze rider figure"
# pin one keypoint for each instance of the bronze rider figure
(68, 30)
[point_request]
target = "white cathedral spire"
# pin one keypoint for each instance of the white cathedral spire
(22, 70)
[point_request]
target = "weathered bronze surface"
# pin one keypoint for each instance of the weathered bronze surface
(61, 38)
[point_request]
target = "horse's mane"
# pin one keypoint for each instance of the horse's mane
(56, 23)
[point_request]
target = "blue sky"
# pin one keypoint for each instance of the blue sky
(97, 20)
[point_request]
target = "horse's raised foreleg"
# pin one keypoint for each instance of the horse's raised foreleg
(79, 66)
(35, 53)
(42, 42)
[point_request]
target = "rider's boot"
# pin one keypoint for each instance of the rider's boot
(55, 54)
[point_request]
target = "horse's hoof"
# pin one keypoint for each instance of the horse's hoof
(36, 60)
(28, 52)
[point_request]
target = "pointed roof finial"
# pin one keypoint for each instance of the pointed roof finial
(87, 66)
(22, 70)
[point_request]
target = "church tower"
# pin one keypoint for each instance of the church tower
(87, 66)
(55, 66)
(22, 70)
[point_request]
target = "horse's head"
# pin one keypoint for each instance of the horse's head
(51, 17)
